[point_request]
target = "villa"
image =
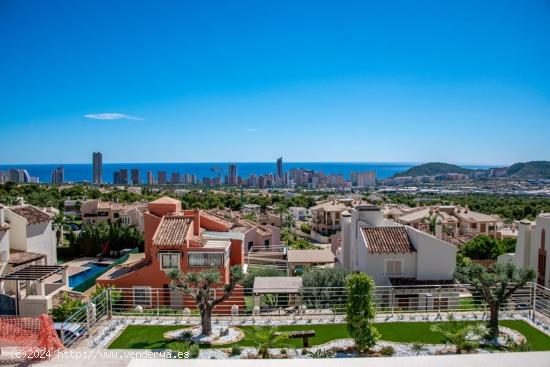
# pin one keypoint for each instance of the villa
(31, 234)
(532, 247)
(326, 217)
(186, 240)
(458, 222)
(129, 215)
(392, 253)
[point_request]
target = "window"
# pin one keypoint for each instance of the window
(473, 225)
(142, 296)
(169, 260)
(266, 243)
(212, 259)
(394, 267)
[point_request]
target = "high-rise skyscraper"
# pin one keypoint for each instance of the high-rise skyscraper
(135, 177)
(116, 178)
(19, 175)
(162, 177)
(58, 175)
(232, 179)
(176, 178)
(124, 176)
(150, 178)
(280, 167)
(98, 168)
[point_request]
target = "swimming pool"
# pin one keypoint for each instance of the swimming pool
(93, 269)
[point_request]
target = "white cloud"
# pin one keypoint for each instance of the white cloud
(111, 116)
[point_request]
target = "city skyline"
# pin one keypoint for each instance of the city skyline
(392, 82)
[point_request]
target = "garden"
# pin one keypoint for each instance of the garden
(359, 334)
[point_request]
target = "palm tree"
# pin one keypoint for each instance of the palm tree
(461, 334)
(266, 338)
(58, 223)
(281, 208)
(431, 221)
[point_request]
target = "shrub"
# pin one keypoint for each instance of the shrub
(360, 310)
(181, 349)
(66, 308)
(267, 271)
(418, 348)
(235, 351)
(194, 351)
(387, 351)
(321, 353)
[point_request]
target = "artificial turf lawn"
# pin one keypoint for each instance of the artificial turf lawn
(151, 336)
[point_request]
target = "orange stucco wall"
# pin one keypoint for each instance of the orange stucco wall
(151, 274)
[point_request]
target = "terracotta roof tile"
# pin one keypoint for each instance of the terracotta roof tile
(31, 214)
(216, 218)
(172, 231)
(23, 257)
(389, 239)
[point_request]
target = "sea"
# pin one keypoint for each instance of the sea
(83, 172)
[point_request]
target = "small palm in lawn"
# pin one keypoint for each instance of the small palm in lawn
(266, 338)
(461, 334)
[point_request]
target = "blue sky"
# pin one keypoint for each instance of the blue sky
(196, 81)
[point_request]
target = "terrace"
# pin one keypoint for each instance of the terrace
(404, 326)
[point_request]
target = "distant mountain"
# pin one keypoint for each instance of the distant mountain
(432, 169)
(534, 169)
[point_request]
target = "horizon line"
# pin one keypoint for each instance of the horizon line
(272, 162)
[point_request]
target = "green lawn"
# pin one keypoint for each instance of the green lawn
(539, 341)
(150, 337)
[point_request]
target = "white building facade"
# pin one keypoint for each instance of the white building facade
(532, 248)
(31, 230)
(390, 252)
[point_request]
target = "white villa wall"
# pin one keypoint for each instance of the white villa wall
(39, 237)
(375, 266)
(18, 231)
(4, 250)
(541, 222)
(436, 259)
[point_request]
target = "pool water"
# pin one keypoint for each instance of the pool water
(81, 277)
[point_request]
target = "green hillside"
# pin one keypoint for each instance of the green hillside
(431, 169)
(534, 169)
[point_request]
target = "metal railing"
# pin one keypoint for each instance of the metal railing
(323, 301)
(323, 304)
(80, 324)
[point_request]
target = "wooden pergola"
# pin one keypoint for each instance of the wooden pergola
(32, 273)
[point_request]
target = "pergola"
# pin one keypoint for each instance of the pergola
(287, 286)
(36, 274)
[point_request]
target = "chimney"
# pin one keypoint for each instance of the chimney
(2, 221)
(197, 222)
